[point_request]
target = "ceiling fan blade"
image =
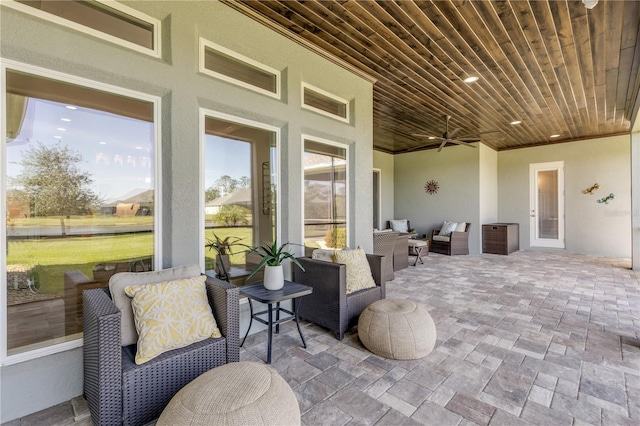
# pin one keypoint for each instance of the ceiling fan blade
(459, 142)
(414, 148)
(454, 132)
(444, 142)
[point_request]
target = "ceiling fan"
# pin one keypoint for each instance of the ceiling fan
(447, 137)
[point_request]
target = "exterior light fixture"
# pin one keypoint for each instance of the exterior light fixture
(471, 79)
(513, 123)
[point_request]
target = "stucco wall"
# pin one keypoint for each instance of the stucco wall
(591, 228)
(457, 171)
(488, 187)
(385, 162)
(175, 78)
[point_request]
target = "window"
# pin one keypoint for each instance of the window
(110, 21)
(325, 195)
(325, 103)
(232, 67)
(240, 170)
(80, 198)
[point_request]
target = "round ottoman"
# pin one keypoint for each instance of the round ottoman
(397, 329)
(240, 393)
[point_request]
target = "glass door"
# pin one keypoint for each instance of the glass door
(547, 204)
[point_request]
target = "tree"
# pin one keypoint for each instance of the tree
(211, 193)
(232, 215)
(244, 182)
(226, 184)
(53, 183)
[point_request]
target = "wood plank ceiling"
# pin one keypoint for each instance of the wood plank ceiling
(557, 67)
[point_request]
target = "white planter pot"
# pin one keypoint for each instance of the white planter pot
(273, 277)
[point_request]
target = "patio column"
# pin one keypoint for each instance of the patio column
(635, 196)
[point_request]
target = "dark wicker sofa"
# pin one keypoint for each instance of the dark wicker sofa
(456, 243)
(329, 305)
(117, 390)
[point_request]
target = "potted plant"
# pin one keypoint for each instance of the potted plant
(223, 248)
(272, 257)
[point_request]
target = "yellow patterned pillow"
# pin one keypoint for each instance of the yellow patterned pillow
(171, 315)
(358, 270)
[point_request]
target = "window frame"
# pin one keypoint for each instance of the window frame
(329, 95)
(304, 138)
(203, 114)
(8, 64)
(156, 52)
(204, 44)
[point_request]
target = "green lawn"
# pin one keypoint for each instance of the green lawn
(52, 257)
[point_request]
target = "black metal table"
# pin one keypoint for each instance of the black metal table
(260, 294)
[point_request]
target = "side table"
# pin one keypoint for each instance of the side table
(290, 290)
(416, 248)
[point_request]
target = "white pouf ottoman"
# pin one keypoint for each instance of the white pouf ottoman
(240, 393)
(397, 329)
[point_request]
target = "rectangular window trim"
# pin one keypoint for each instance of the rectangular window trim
(204, 113)
(304, 138)
(156, 52)
(67, 78)
(201, 54)
(328, 95)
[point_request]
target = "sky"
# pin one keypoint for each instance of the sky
(117, 151)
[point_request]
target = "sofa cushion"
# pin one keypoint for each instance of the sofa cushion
(119, 281)
(461, 227)
(328, 255)
(445, 238)
(171, 315)
(447, 228)
(358, 270)
(399, 225)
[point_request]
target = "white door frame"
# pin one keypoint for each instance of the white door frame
(535, 240)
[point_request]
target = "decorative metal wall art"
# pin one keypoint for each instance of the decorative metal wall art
(607, 198)
(431, 187)
(591, 190)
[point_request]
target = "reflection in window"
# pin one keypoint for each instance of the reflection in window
(325, 196)
(240, 185)
(74, 216)
(548, 204)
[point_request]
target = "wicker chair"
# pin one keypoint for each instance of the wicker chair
(384, 244)
(456, 243)
(117, 390)
(329, 305)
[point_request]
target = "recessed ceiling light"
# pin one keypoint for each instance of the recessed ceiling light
(471, 79)
(138, 147)
(103, 143)
(58, 137)
(432, 137)
(65, 119)
(513, 123)
(71, 107)
(62, 129)
(554, 136)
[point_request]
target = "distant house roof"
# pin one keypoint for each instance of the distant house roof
(241, 197)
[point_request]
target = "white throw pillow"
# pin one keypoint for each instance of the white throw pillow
(117, 283)
(447, 228)
(461, 227)
(327, 255)
(399, 225)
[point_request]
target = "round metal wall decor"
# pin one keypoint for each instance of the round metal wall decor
(431, 187)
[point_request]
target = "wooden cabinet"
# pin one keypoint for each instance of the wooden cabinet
(500, 238)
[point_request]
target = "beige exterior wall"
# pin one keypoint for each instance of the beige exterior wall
(590, 228)
(183, 90)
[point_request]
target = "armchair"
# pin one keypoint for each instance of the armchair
(384, 243)
(117, 390)
(455, 243)
(329, 305)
